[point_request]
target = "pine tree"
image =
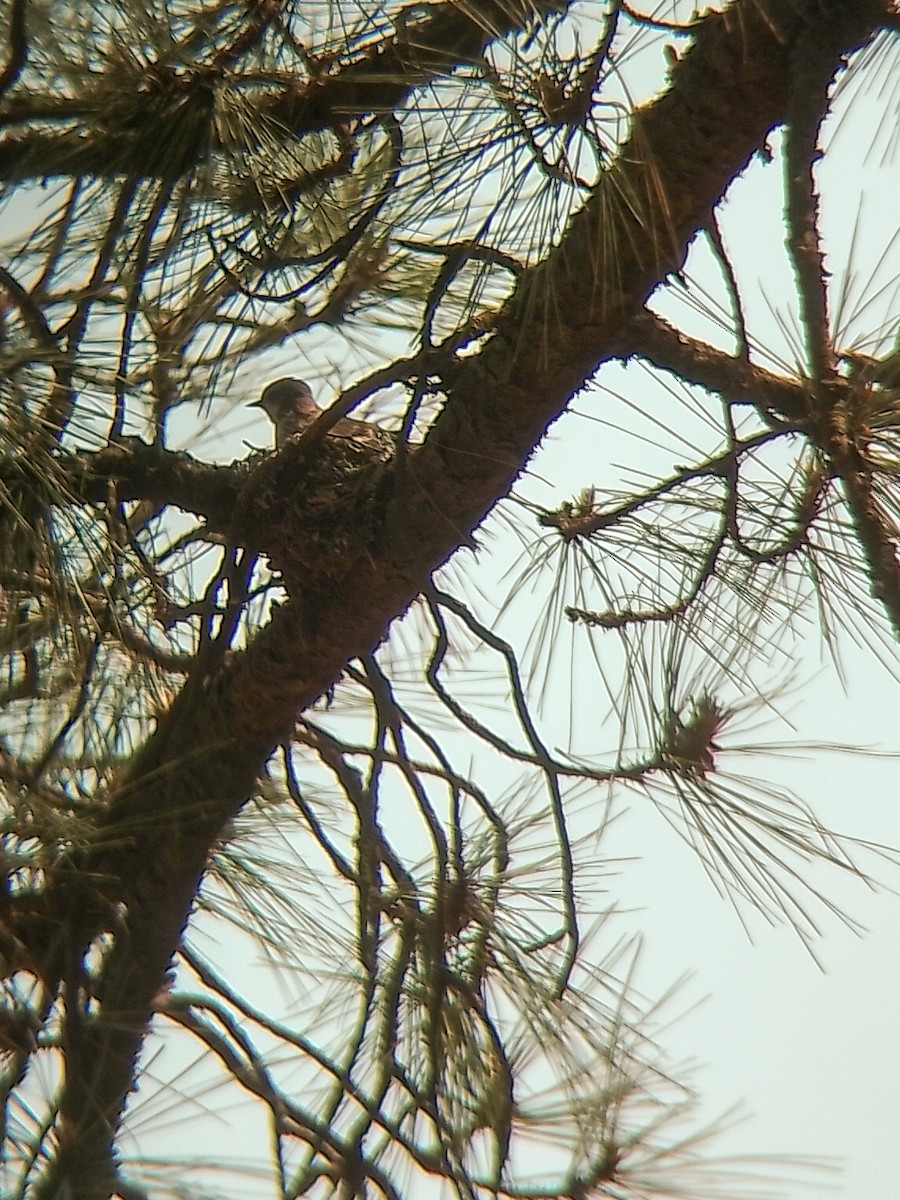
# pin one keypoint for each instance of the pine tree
(271, 691)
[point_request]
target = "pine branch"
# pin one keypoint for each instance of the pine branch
(780, 398)
(139, 471)
(375, 82)
(199, 767)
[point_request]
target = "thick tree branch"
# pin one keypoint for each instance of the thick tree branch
(572, 312)
(140, 471)
(780, 398)
(875, 532)
(813, 68)
(18, 46)
(567, 316)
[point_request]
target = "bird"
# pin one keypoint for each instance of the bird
(292, 409)
(290, 406)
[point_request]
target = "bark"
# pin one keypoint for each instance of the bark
(567, 316)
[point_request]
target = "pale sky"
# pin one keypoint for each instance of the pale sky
(808, 1047)
(807, 1044)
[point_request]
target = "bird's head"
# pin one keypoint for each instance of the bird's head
(288, 398)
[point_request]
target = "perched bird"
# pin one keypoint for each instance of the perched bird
(290, 406)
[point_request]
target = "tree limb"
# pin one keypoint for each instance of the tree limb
(567, 316)
(378, 80)
(662, 345)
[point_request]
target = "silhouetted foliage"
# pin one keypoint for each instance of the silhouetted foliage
(300, 706)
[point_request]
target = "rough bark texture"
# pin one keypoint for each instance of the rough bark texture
(567, 316)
